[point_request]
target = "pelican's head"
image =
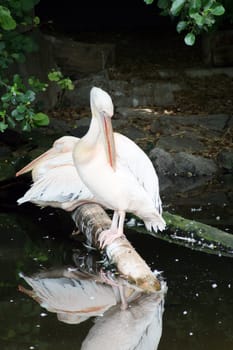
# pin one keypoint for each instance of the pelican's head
(64, 144)
(102, 109)
(101, 103)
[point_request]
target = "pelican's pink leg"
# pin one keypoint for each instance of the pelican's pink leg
(120, 287)
(116, 230)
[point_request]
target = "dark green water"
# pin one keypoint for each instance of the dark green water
(198, 306)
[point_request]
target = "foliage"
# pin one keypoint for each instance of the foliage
(194, 16)
(228, 16)
(64, 83)
(18, 103)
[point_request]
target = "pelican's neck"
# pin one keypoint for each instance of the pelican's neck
(93, 133)
(84, 149)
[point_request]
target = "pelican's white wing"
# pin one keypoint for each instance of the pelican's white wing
(58, 160)
(59, 187)
(133, 159)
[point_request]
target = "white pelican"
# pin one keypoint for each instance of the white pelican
(118, 173)
(56, 182)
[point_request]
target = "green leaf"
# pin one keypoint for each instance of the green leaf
(36, 84)
(66, 84)
(163, 4)
(29, 44)
(36, 20)
(182, 25)
(55, 75)
(40, 119)
(148, 2)
(30, 96)
(209, 21)
(19, 57)
(189, 39)
(200, 20)
(6, 97)
(195, 4)
(15, 114)
(3, 126)
(177, 6)
(217, 9)
(25, 126)
(17, 80)
(7, 22)
(2, 45)
(21, 108)
(27, 5)
(11, 122)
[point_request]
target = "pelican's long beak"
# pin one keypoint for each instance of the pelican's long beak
(29, 167)
(109, 139)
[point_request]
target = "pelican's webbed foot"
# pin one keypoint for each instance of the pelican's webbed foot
(107, 237)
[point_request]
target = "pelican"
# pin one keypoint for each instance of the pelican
(56, 182)
(118, 173)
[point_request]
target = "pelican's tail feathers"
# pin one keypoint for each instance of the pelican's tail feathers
(154, 222)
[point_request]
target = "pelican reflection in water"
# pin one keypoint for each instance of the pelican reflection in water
(76, 296)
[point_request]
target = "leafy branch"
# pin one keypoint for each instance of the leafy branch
(18, 103)
(195, 16)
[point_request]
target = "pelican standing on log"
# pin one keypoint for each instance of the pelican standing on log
(118, 173)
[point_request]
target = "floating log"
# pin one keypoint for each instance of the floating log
(194, 235)
(91, 219)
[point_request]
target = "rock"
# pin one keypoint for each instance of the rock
(59, 126)
(78, 57)
(225, 160)
(133, 133)
(162, 161)
(140, 93)
(190, 165)
(164, 126)
(145, 113)
(230, 122)
(80, 96)
(123, 93)
(119, 124)
(5, 151)
(180, 184)
(218, 48)
(181, 164)
(216, 122)
(184, 141)
(7, 169)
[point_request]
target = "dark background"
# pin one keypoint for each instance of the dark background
(72, 16)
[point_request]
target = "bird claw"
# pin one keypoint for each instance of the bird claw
(107, 237)
(108, 280)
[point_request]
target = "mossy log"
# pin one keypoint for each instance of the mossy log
(194, 235)
(91, 220)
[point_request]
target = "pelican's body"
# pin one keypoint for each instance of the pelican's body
(126, 181)
(56, 182)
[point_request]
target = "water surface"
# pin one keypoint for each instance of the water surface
(198, 305)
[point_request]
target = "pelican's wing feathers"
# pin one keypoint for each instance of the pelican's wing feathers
(60, 184)
(132, 157)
